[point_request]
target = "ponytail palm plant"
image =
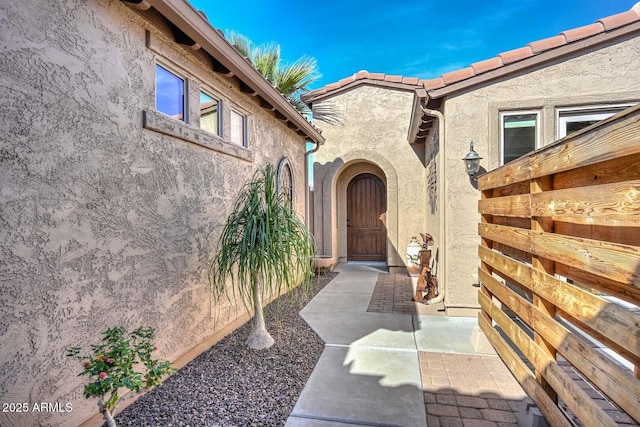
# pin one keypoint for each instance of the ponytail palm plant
(264, 249)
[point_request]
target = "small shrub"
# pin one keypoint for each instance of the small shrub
(112, 365)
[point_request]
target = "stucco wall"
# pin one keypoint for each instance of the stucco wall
(103, 222)
(610, 74)
(372, 135)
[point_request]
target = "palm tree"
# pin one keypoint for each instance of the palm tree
(264, 249)
(291, 80)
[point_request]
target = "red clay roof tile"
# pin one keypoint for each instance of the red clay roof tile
(410, 80)
(346, 81)
(376, 76)
(393, 79)
(580, 33)
(432, 84)
(516, 55)
(487, 65)
(548, 43)
(614, 21)
(505, 58)
(458, 75)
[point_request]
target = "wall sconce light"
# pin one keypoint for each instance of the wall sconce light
(472, 161)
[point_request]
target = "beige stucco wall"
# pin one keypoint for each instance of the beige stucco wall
(372, 137)
(103, 222)
(607, 75)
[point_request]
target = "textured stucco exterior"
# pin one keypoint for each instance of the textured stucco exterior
(607, 75)
(104, 222)
(371, 138)
(428, 189)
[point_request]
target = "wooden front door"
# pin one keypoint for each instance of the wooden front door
(366, 219)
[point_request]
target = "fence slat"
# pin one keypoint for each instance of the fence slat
(616, 137)
(616, 204)
(624, 291)
(558, 225)
(618, 324)
(525, 377)
(611, 260)
(512, 206)
(576, 398)
(619, 384)
(517, 238)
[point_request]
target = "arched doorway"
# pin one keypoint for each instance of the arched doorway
(366, 219)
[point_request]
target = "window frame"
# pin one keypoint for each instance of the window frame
(504, 114)
(185, 88)
(220, 119)
(601, 112)
(245, 118)
(285, 164)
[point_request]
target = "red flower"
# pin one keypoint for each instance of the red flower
(110, 361)
(155, 347)
(103, 375)
(86, 363)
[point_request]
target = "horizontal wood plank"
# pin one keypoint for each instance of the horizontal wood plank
(625, 291)
(511, 206)
(618, 383)
(513, 172)
(577, 399)
(615, 138)
(615, 170)
(619, 325)
(525, 377)
(511, 236)
(611, 260)
(616, 204)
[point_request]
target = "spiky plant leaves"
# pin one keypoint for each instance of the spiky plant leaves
(264, 250)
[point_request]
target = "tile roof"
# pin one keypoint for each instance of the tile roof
(503, 59)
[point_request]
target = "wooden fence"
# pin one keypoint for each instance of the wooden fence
(560, 230)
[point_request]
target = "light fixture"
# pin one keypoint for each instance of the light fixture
(472, 161)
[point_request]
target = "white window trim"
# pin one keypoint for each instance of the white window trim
(175, 71)
(516, 113)
(593, 112)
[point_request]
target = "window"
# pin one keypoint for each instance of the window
(238, 128)
(170, 94)
(209, 114)
(519, 134)
(285, 179)
(573, 120)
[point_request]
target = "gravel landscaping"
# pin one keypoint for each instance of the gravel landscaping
(231, 385)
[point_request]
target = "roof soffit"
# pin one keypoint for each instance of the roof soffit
(188, 20)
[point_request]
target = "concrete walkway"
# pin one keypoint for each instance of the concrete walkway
(376, 369)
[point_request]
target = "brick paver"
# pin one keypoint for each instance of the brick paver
(393, 294)
(469, 390)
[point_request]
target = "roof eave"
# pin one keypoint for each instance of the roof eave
(189, 21)
(310, 98)
(535, 60)
(420, 98)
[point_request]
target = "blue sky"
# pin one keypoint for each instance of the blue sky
(410, 38)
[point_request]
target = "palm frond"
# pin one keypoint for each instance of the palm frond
(266, 59)
(327, 112)
(298, 76)
(242, 43)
